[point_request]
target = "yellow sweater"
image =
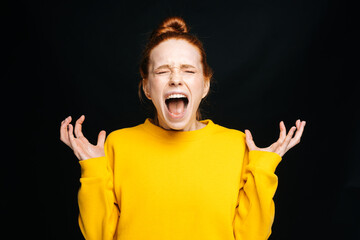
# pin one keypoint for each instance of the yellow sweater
(169, 185)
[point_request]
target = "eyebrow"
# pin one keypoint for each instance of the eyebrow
(181, 66)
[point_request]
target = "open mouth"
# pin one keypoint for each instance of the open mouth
(176, 104)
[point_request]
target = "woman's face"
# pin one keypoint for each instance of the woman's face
(176, 84)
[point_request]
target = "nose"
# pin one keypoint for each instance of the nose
(175, 80)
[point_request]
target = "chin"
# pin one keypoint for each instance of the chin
(178, 126)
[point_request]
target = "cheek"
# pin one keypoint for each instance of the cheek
(156, 86)
(198, 87)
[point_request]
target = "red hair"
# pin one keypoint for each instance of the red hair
(172, 28)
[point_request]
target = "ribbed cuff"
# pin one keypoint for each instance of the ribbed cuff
(93, 167)
(267, 161)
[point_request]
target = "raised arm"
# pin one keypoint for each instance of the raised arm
(255, 210)
(99, 211)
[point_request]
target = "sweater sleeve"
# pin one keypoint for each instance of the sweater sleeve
(98, 207)
(255, 210)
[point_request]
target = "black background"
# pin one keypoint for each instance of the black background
(273, 61)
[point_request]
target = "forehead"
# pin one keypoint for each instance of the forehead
(175, 52)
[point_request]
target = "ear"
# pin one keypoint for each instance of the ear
(146, 89)
(206, 87)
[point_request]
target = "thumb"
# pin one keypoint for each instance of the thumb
(101, 138)
(249, 141)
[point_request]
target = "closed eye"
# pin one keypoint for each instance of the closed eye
(162, 72)
(189, 71)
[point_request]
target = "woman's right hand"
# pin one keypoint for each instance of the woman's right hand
(79, 144)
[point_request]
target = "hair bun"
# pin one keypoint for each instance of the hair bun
(171, 24)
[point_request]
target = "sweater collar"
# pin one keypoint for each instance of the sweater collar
(171, 135)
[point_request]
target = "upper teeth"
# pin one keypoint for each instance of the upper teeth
(176, 96)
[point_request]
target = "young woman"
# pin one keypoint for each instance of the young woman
(176, 176)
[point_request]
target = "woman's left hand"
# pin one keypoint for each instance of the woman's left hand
(285, 141)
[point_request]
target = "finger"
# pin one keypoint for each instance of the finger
(282, 135)
(101, 138)
(249, 141)
(281, 138)
(71, 136)
(78, 126)
(283, 147)
(64, 136)
(296, 139)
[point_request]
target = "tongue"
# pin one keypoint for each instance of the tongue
(176, 106)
